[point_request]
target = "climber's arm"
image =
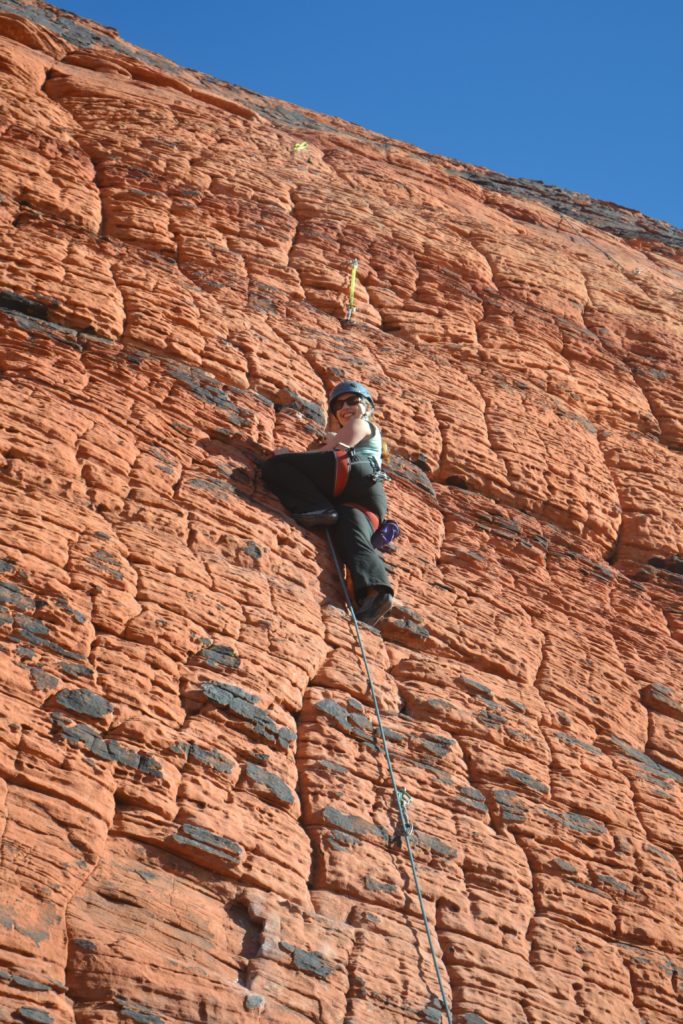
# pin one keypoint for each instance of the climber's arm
(349, 435)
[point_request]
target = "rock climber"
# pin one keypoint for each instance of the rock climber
(339, 485)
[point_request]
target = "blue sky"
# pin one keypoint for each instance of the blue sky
(586, 95)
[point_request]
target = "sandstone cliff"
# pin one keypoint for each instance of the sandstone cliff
(195, 818)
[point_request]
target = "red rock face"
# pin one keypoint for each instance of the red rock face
(196, 819)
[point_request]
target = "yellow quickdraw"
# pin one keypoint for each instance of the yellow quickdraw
(350, 307)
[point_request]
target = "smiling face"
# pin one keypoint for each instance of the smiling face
(348, 407)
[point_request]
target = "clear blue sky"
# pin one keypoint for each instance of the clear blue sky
(586, 94)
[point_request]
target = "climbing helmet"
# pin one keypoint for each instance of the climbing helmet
(348, 387)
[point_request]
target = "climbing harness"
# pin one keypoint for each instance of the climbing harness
(341, 471)
(350, 307)
(384, 532)
(344, 458)
(402, 798)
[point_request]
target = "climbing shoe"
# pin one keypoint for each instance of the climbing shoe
(373, 608)
(321, 517)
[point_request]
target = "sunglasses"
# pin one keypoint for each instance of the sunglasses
(351, 400)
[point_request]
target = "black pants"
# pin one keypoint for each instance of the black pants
(304, 482)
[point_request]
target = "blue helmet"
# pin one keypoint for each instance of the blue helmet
(349, 387)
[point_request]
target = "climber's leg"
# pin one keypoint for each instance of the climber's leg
(371, 586)
(304, 482)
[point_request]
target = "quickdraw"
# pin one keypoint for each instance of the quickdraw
(350, 307)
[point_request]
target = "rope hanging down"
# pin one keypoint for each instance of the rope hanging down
(401, 796)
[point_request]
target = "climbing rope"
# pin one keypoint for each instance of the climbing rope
(401, 795)
(350, 307)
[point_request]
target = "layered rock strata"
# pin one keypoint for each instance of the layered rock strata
(196, 821)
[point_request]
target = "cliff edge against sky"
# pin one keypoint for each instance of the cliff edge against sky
(195, 819)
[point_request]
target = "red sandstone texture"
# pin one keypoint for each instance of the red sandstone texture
(196, 820)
